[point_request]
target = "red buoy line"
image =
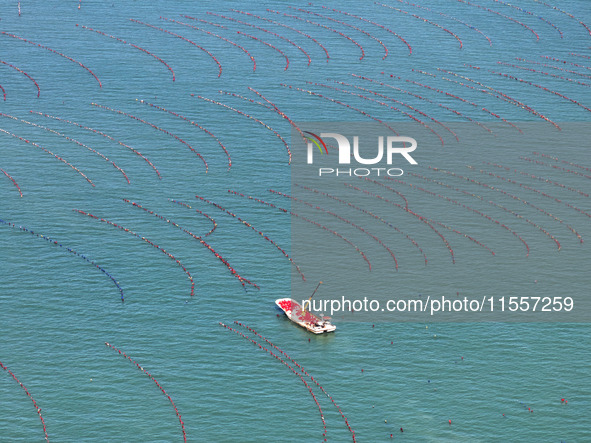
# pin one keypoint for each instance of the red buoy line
(501, 96)
(423, 19)
(241, 279)
(301, 369)
(214, 223)
(123, 354)
(13, 181)
(132, 45)
(185, 39)
(504, 120)
(250, 117)
(242, 48)
(344, 24)
(96, 131)
(271, 106)
(411, 212)
(37, 408)
(546, 65)
(514, 197)
(71, 251)
(395, 191)
(404, 104)
(429, 220)
(544, 73)
(406, 114)
(579, 55)
(133, 117)
(420, 97)
(453, 174)
(560, 168)
(50, 153)
(326, 211)
(194, 123)
(476, 105)
(316, 94)
(530, 13)
(375, 24)
(455, 202)
(285, 26)
(440, 91)
(268, 32)
(566, 13)
(543, 179)
(55, 52)
(70, 139)
(261, 347)
(322, 26)
(474, 28)
(365, 211)
(269, 45)
(565, 62)
(278, 111)
(115, 225)
(25, 74)
(537, 191)
(293, 214)
(263, 235)
(502, 15)
(556, 159)
(3, 92)
(528, 203)
(520, 80)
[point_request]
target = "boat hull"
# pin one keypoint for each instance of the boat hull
(307, 320)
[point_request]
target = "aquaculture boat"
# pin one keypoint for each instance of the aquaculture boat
(306, 319)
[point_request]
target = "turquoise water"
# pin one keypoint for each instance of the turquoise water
(57, 310)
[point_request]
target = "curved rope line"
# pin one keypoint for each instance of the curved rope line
(411, 212)
(285, 26)
(523, 68)
(301, 368)
(250, 117)
(3, 92)
(37, 408)
(115, 225)
(55, 52)
(71, 251)
(293, 214)
(267, 31)
(529, 13)
(123, 354)
(242, 48)
(316, 94)
(322, 26)
(194, 124)
(136, 152)
(261, 347)
(132, 45)
(13, 181)
(365, 211)
(215, 225)
(245, 223)
(269, 45)
(72, 140)
(133, 117)
(502, 15)
(344, 24)
(200, 240)
(500, 95)
(423, 19)
(344, 220)
(185, 39)
(48, 152)
(375, 24)
(25, 74)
